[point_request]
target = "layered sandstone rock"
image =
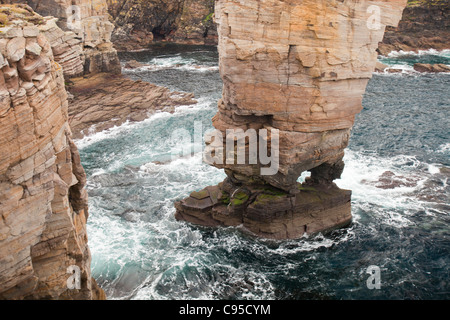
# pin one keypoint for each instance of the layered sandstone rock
(83, 42)
(102, 101)
(66, 47)
(43, 203)
(139, 23)
(424, 25)
(196, 24)
(435, 68)
(298, 69)
(136, 22)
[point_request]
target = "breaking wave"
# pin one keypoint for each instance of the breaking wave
(397, 166)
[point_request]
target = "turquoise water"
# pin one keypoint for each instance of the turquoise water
(406, 60)
(401, 223)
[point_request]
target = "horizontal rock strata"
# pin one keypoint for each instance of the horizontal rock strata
(424, 25)
(43, 202)
(103, 101)
(435, 68)
(266, 211)
(298, 69)
(140, 23)
(80, 34)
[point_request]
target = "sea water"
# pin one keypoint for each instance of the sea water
(397, 166)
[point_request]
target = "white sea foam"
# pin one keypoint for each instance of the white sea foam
(393, 203)
(94, 137)
(180, 63)
(405, 69)
(391, 60)
(115, 131)
(433, 169)
(401, 53)
(308, 243)
(174, 62)
(444, 148)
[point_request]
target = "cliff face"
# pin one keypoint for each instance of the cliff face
(43, 203)
(103, 101)
(299, 67)
(139, 23)
(425, 25)
(196, 23)
(82, 43)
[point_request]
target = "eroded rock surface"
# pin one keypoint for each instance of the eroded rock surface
(43, 202)
(424, 25)
(82, 43)
(103, 100)
(300, 67)
(139, 23)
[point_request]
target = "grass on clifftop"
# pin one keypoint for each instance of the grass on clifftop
(426, 3)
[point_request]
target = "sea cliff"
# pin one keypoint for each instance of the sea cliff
(44, 204)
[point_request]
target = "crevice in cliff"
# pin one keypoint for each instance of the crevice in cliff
(158, 34)
(205, 33)
(5, 113)
(290, 59)
(77, 192)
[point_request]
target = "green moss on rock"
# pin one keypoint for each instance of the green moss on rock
(265, 198)
(225, 198)
(237, 202)
(199, 195)
(241, 196)
(239, 199)
(306, 188)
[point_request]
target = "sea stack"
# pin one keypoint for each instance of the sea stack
(296, 70)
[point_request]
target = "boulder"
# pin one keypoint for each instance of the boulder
(380, 67)
(133, 64)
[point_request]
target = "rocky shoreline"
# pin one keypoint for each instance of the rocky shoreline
(59, 84)
(103, 100)
(424, 25)
(417, 67)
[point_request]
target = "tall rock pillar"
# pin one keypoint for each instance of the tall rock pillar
(297, 70)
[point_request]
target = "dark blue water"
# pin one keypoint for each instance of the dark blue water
(397, 165)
